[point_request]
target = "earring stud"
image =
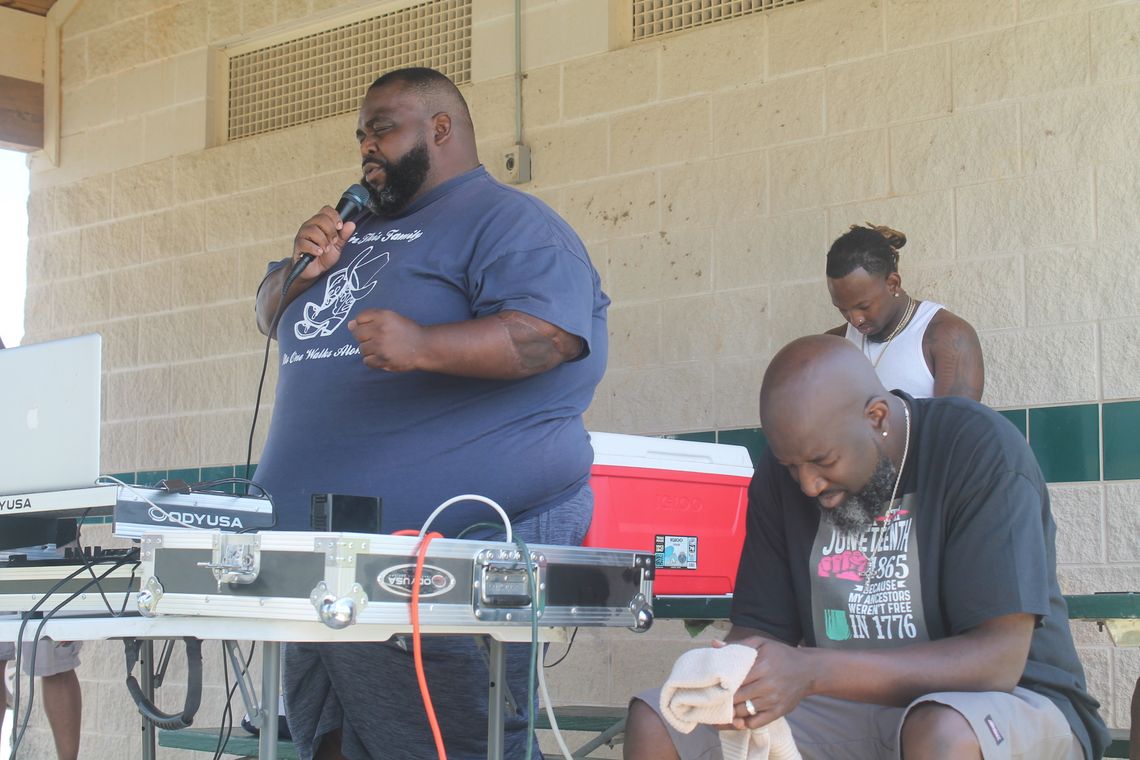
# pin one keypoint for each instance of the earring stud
(884, 433)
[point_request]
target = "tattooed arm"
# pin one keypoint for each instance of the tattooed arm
(508, 345)
(954, 356)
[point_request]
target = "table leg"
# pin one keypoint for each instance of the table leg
(497, 675)
(270, 694)
(146, 665)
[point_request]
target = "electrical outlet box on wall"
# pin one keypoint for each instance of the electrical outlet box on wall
(516, 164)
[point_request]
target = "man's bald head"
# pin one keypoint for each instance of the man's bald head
(814, 374)
(438, 93)
(829, 421)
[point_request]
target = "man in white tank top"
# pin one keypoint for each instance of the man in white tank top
(915, 346)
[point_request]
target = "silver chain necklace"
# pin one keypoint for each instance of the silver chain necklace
(891, 510)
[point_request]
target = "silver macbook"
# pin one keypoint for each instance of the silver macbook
(49, 415)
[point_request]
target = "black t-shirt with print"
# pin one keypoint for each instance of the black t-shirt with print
(974, 527)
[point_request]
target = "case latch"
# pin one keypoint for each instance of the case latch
(236, 558)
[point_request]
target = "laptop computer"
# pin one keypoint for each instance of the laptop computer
(49, 415)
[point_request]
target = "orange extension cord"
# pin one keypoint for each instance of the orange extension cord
(417, 652)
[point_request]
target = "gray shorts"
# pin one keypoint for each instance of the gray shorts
(369, 691)
(1015, 726)
(51, 657)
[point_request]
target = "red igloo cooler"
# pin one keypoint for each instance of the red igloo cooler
(683, 500)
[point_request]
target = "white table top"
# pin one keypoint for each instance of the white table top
(100, 627)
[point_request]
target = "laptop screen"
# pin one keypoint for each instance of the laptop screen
(49, 415)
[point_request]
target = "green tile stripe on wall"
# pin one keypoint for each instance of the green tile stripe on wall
(210, 474)
(1019, 418)
(191, 475)
(150, 477)
(704, 436)
(1066, 441)
(1121, 431)
(1069, 440)
(752, 439)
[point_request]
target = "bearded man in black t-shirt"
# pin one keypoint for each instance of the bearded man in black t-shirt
(898, 581)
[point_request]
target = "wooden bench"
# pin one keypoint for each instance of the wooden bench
(608, 723)
(601, 721)
(206, 740)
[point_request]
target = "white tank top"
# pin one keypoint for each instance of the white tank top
(900, 363)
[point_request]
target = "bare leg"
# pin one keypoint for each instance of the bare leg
(646, 737)
(63, 703)
(330, 747)
(934, 731)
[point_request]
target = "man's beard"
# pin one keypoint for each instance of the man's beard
(403, 178)
(858, 511)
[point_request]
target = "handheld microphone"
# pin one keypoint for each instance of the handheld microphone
(353, 199)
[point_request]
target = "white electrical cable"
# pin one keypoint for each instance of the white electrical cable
(469, 497)
(165, 515)
(550, 710)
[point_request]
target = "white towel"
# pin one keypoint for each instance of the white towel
(700, 690)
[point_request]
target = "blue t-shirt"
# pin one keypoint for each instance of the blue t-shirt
(466, 249)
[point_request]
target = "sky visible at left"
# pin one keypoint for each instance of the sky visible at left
(14, 248)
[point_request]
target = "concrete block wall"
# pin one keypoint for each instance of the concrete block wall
(707, 171)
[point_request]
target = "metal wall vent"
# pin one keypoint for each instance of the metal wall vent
(653, 18)
(326, 73)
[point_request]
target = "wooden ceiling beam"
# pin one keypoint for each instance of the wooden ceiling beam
(38, 7)
(21, 114)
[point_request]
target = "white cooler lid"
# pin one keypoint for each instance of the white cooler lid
(620, 450)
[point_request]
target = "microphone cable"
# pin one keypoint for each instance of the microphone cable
(281, 304)
(260, 388)
(351, 202)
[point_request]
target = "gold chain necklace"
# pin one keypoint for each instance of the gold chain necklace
(908, 312)
(891, 510)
